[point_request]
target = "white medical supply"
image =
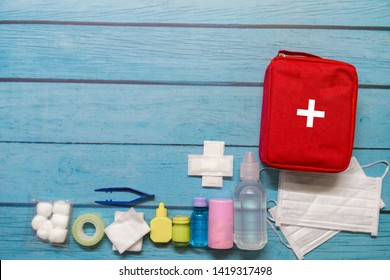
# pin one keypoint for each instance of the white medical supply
(126, 230)
(335, 201)
(250, 219)
(37, 221)
(212, 165)
(137, 246)
(58, 235)
(52, 220)
(44, 209)
(60, 221)
(61, 207)
(44, 230)
(303, 240)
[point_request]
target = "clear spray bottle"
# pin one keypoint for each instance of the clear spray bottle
(250, 225)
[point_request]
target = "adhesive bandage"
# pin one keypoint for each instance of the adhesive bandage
(213, 165)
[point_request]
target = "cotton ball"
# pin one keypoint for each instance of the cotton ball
(60, 221)
(44, 209)
(37, 221)
(58, 235)
(44, 230)
(61, 207)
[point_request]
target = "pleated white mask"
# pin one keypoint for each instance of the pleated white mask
(303, 240)
(330, 201)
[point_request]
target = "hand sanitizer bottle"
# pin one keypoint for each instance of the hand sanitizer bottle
(250, 225)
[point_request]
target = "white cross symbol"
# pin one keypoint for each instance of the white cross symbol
(310, 113)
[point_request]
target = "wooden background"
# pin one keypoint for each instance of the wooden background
(118, 93)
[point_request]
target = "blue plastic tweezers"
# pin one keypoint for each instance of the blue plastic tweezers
(142, 196)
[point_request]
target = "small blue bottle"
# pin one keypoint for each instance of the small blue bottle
(199, 223)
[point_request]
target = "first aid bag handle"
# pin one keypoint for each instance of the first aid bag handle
(292, 53)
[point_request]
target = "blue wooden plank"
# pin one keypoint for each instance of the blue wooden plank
(35, 112)
(155, 127)
(363, 12)
(47, 171)
(129, 113)
(74, 171)
(19, 242)
(178, 54)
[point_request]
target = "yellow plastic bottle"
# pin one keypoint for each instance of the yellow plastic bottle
(161, 226)
(181, 230)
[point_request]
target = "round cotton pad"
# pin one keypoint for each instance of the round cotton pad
(44, 230)
(44, 209)
(58, 235)
(61, 207)
(37, 221)
(78, 229)
(60, 220)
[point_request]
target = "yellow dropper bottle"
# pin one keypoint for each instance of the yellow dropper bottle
(161, 226)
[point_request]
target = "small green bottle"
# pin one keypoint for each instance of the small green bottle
(181, 230)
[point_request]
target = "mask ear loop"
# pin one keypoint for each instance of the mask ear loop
(265, 168)
(269, 217)
(269, 222)
(378, 162)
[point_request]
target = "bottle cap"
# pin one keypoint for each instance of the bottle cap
(200, 202)
(182, 220)
(249, 168)
(161, 211)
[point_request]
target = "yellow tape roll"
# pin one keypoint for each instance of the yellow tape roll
(78, 229)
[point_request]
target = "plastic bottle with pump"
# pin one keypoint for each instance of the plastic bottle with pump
(250, 225)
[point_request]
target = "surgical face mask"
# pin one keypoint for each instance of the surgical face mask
(339, 201)
(303, 240)
(355, 168)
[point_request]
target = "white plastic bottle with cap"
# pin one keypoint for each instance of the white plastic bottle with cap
(250, 225)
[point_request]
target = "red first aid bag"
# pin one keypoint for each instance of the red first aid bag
(308, 113)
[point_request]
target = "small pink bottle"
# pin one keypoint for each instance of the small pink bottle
(220, 224)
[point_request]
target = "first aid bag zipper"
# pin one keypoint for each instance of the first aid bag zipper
(284, 53)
